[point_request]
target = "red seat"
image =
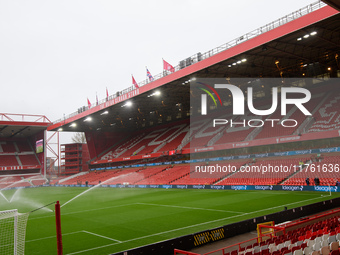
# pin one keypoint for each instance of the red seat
(336, 252)
(264, 252)
(296, 248)
(301, 238)
(283, 249)
(249, 247)
(235, 252)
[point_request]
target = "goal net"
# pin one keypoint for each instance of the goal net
(12, 232)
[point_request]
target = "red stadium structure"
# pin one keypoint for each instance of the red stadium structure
(23, 140)
(152, 121)
(147, 134)
(137, 134)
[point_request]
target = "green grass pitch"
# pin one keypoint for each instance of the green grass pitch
(109, 220)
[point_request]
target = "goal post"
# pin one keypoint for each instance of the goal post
(12, 232)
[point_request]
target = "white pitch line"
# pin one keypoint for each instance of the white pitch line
(296, 193)
(195, 225)
(84, 231)
(193, 208)
(49, 237)
(89, 210)
(115, 240)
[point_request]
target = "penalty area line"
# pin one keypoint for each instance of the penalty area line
(48, 237)
(71, 233)
(91, 233)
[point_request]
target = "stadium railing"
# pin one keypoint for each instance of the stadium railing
(176, 251)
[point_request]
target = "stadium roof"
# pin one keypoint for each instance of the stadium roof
(334, 3)
(22, 125)
(298, 45)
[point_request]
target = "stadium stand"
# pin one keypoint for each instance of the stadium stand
(178, 174)
(13, 181)
(325, 168)
(176, 135)
(285, 171)
(8, 160)
(321, 237)
(8, 180)
(28, 159)
(149, 135)
(323, 105)
(327, 117)
(7, 146)
(292, 113)
(24, 146)
(254, 173)
(159, 140)
(17, 153)
(317, 234)
(165, 175)
(92, 178)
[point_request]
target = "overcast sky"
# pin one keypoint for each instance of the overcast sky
(56, 54)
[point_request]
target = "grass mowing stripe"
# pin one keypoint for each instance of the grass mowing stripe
(192, 208)
(195, 225)
(102, 236)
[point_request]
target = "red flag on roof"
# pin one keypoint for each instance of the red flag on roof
(88, 103)
(134, 82)
(168, 67)
(107, 94)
